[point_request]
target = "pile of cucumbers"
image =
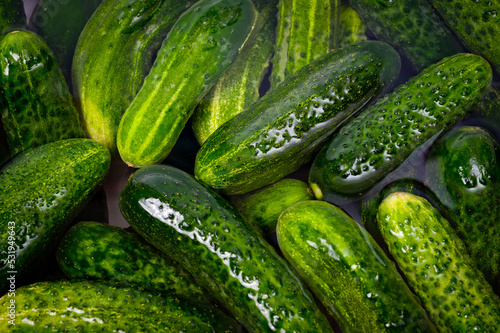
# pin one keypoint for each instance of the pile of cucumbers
(295, 166)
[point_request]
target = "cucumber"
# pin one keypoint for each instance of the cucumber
(42, 191)
(464, 171)
(239, 86)
(91, 250)
(348, 271)
(477, 25)
(437, 266)
(412, 27)
(114, 54)
(262, 207)
(36, 105)
(203, 43)
(95, 306)
(378, 140)
(12, 15)
(191, 223)
(284, 129)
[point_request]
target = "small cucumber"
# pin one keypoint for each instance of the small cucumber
(202, 44)
(285, 128)
(191, 223)
(42, 191)
(36, 104)
(377, 141)
(437, 266)
(348, 271)
(12, 15)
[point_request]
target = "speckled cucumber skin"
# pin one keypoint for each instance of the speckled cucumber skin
(102, 306)
(202, 44)
(437, 266)
(285, 128)
(92, 250)
(464, 170)
(114, 54)
(12, 15)
(348, 271)
(195, 226)
(36, 104)
(377, 141)
(42, 191)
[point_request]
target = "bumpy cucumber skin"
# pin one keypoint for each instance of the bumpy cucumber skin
(348, 271)
(92, 250)
(464, 170)
(385, 134)
(36, 104)
(194, 225)
(476, 23)
(202, 44)
(437, 266)
(113, 55)
(12, 15)
(42, 191)
(102, 306)
(262, 207)
(412, 27)
(285, 128)
(239, 86)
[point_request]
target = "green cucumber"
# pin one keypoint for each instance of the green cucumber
(476, 23)
(101, 306)
(202, 44)
(437, 266)
(36, 104)
(42, 191)
(12, 15)
(262, 207)
(377, 141)
(239, 86)
(114, 54)
(412, 27)
(191, 223)
(284, 129)
(348, 271)
(464, 171)
(91, 250)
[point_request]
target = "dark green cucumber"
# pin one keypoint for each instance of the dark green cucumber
(262, 207)
(412, 27)
(60, 23)
(464, 171)
(101, 306)
(36, 104)
(376, 142)
(12, 15)
(437, 266)
(91, 250)
(348, 271)
(284, 129)
(42, 191)
(202, 44)
(191, 223)
(476, 23)
(114, 54)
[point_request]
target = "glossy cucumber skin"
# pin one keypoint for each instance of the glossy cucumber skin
(239, 86)
(377, 141)
(92, 250)
(437, 266)
(42, 191)
(348, 271)
(412, 27)
(464, 170)
(12, 15)
(285, 128)
(191, 223)
(113, 55)
(202, 44)
(103, 306)
(36, 104)
(476, 23)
